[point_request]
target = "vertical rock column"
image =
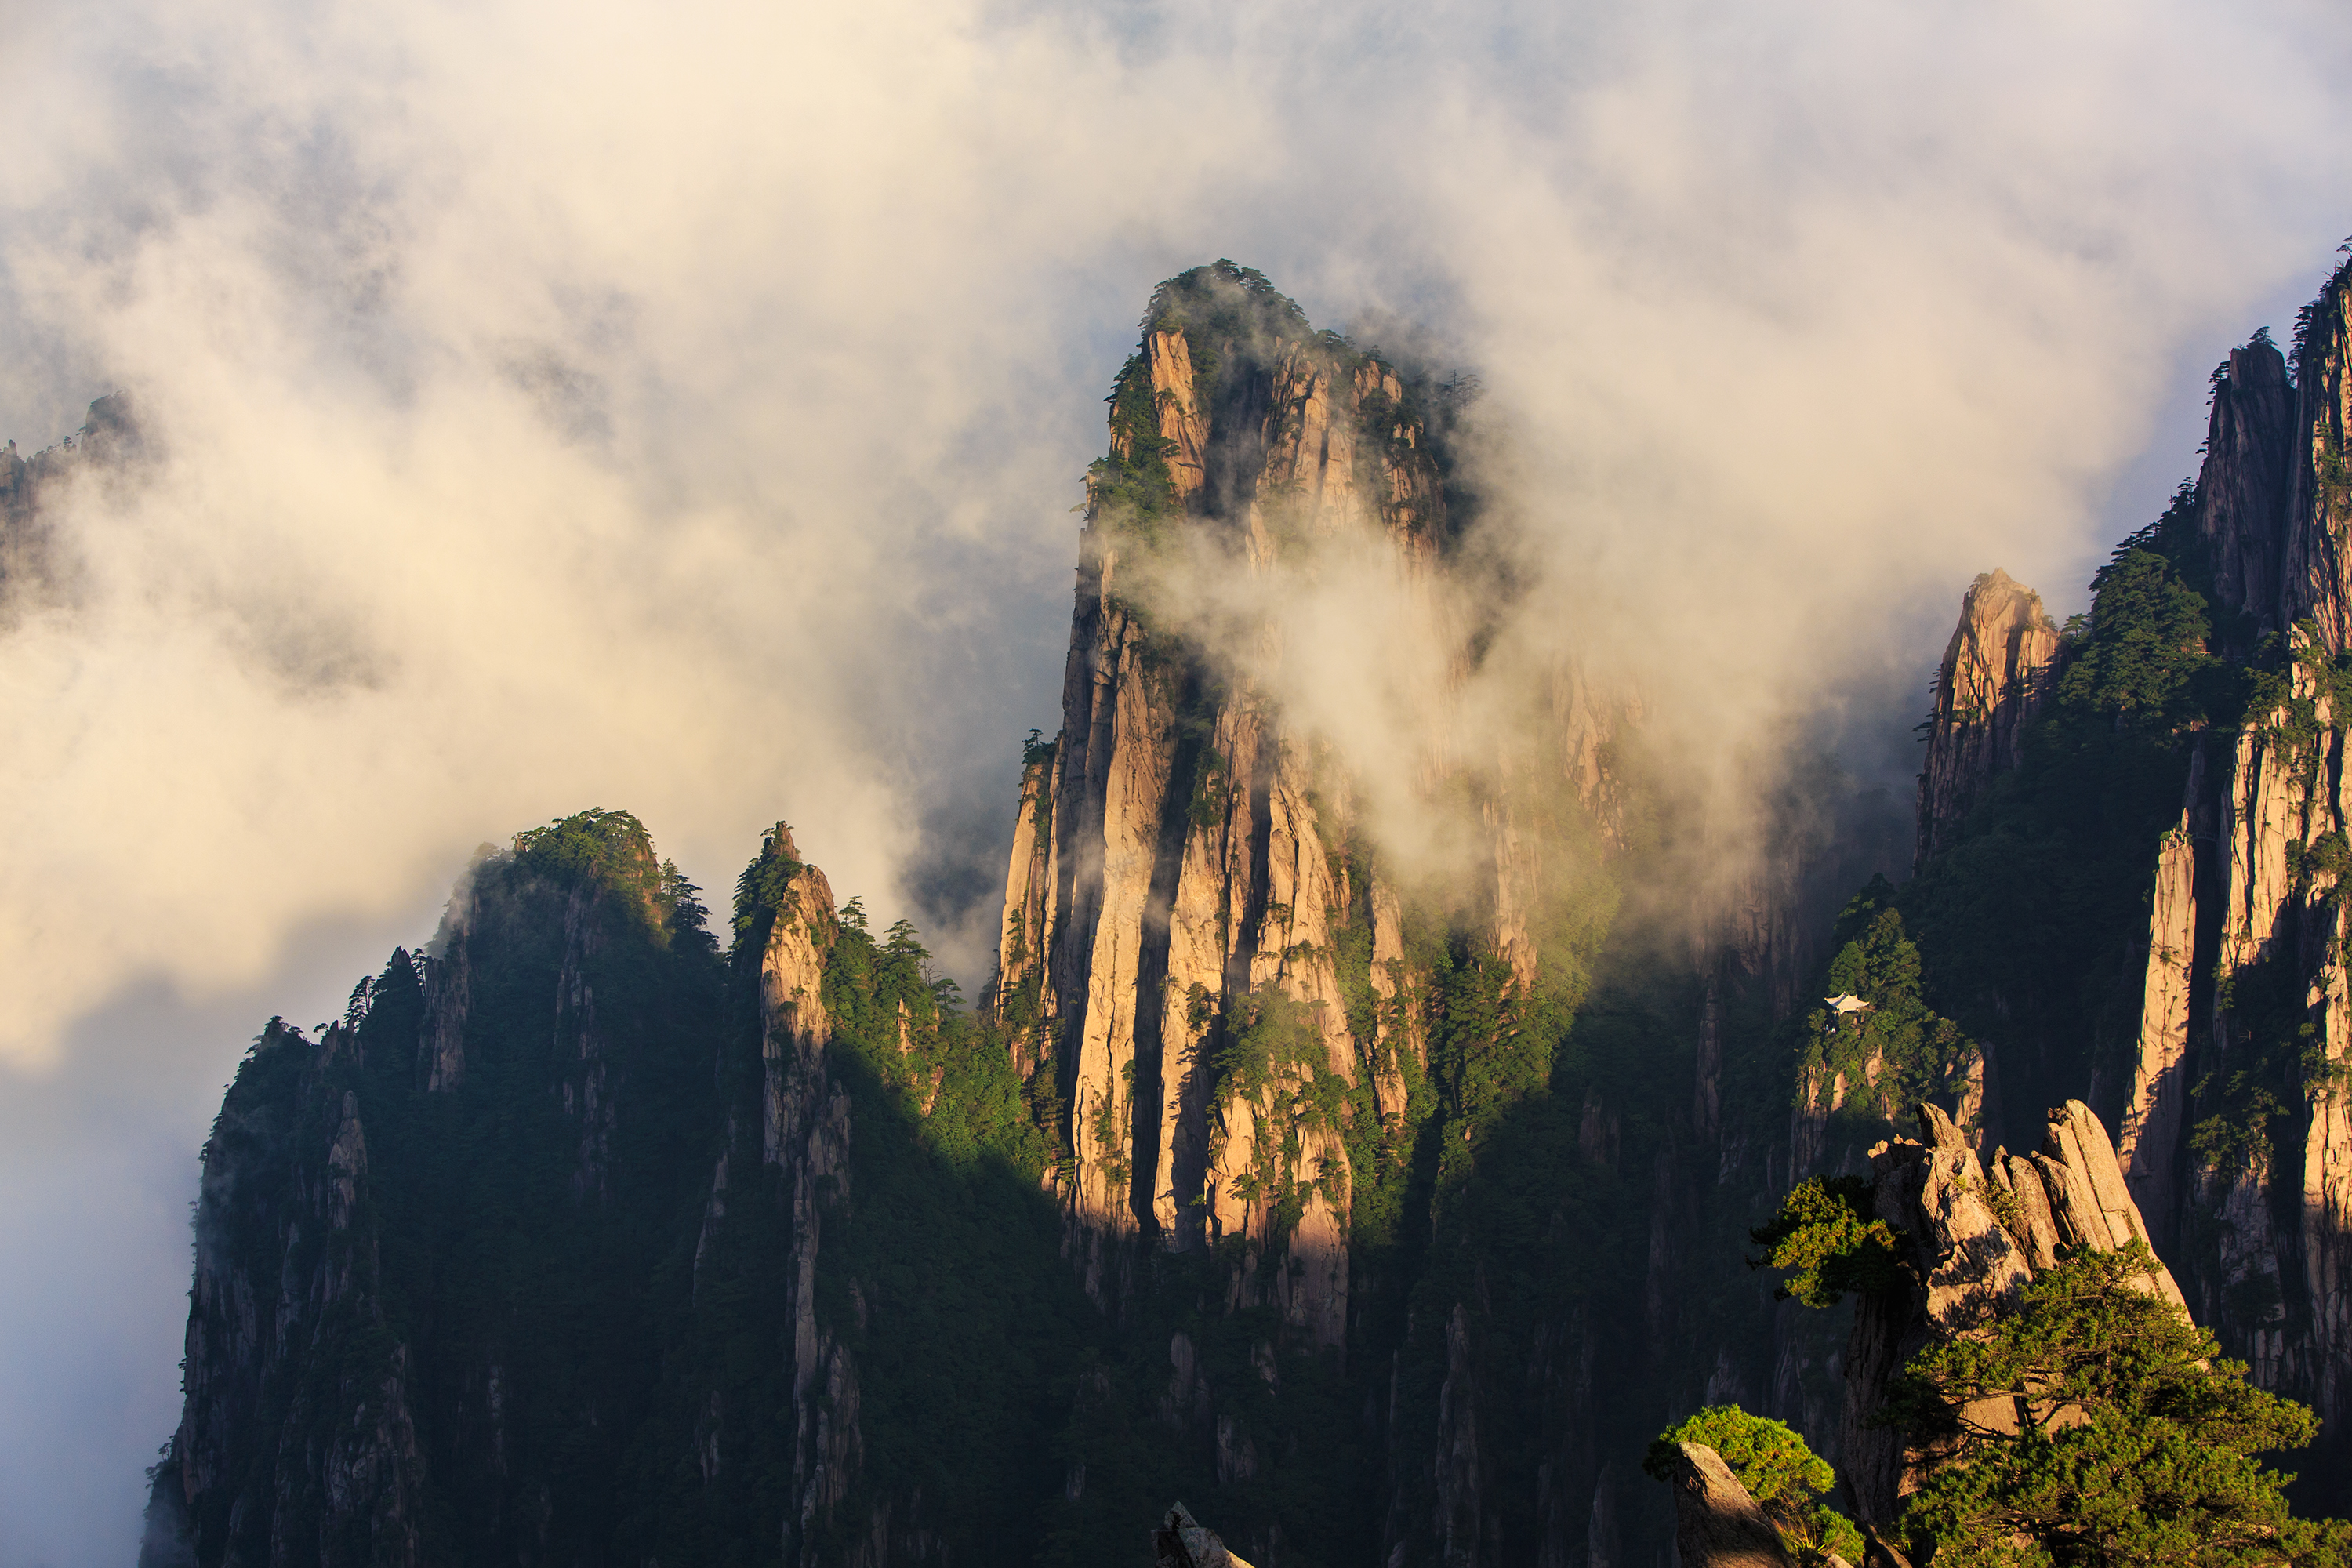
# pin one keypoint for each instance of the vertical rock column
(1020, 997)
(2242, 488)
(2327, 1194)
(804, 1131)
(2317, 571)
(1175, 869)
(2282, 795)
(2155, 1122)
(1995, 676)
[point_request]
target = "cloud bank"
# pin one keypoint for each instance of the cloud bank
(681, 411)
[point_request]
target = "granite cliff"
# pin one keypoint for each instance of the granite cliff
(1382, 1208)
(1378, 1211)
(2178, 797)
(1333, 1096)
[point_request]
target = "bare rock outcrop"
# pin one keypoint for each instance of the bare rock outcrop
(1172, 868)
(2246, 887)
(1716, 1524)
(804, 1131)
(1187, 865)
(1970, 1233)
(2154, 1119)
(2242, 492)
(1995, 676)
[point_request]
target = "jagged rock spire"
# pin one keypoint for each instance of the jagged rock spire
(1973, 1232)
(2242, 490)
(1995, 676)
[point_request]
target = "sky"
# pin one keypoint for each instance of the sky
(682, 410)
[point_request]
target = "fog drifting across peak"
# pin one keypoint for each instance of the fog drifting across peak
(679, 411)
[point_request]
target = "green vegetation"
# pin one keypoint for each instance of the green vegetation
(2134, 1442)
(1824, 1235)
(2029, 928)
(1780, 1472)
(1895, 1051)
(2143, 661)
(2089, 1422)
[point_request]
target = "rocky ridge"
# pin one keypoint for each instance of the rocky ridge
(1376, 1215)
(1972, 1231)
(2227, 1010)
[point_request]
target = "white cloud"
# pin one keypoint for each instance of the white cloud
(679, 409)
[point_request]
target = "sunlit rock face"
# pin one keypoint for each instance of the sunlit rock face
(2245, 886)
(1381, 1205)
(2211, 1027)
(1939, 1200)
(1996, 674)
(1717, 1522)
(1185, 862)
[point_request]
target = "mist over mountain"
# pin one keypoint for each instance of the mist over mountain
(1373, 1161)
(545, 413)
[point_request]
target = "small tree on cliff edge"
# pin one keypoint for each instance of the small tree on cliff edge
(2135, 1444)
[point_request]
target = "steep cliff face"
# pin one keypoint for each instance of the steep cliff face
(2155, 1117)
(1184, 864)
(2243, 496)
(2261, 1180)
(1328, 1109)
(1182, 867)
(292, 1448)
(2179, 962)
(1996, 674)
(2256, 1201)
(2318, 573)
(804, 1136)
(407, 1232)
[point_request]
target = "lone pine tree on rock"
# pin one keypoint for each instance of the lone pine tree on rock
(2027, 1389)
(2126, 1439)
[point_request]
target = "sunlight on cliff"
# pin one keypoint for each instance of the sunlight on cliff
(682, 413)
(585, 414)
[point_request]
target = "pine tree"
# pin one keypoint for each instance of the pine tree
(2134, 1442)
